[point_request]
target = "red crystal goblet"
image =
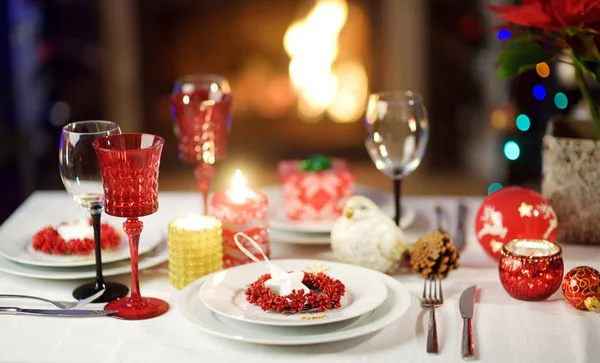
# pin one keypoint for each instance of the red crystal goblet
(531, 270)
(200, 105)
(129, 165)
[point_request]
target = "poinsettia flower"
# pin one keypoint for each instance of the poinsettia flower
(552, 14)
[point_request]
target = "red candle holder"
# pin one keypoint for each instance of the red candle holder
(245, 210)
(129, 166)
(531, 270)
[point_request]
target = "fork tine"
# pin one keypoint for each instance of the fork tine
(425, 289)
(431, 288)
(439, 285)
(87, 300)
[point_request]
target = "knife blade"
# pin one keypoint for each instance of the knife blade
(459, 239)
(466, 306)
(12, 310)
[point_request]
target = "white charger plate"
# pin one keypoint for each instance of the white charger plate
(153, 258)
(279, 220)
(223, 293)
(16, 237)
(193, 310)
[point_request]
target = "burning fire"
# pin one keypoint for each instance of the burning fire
(338, 89)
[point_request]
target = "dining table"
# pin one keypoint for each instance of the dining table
(505, 329)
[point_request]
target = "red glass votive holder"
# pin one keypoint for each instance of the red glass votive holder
(245, 210)
(530, 269)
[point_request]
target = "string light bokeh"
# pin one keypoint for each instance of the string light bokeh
(511, 148)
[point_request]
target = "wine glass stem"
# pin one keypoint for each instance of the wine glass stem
(398, 200)
(133, 228)
(204, 173)
(96, 213)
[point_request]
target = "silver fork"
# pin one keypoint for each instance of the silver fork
(67, 305)
(432, 297)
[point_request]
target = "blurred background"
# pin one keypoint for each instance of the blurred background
(68, 60)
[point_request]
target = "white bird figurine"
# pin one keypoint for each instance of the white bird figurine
(366, 236)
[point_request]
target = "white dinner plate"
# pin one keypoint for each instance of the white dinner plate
(16, 237)
(223, 293)
(153, 258)
(395, 305)
(279, 220)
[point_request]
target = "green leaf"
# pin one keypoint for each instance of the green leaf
(571, 31)
(585, 47)
(519, 57)
(593, 67)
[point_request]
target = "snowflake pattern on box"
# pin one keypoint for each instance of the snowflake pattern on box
(315, 195)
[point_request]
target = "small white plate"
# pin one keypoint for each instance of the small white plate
(299, 238)
(279, 220)
(396, 305)
(153, 258)
(16, 238)
(223, 293)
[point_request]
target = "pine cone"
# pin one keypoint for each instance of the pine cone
(434, 254)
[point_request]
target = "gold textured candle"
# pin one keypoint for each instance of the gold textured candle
(195, 249)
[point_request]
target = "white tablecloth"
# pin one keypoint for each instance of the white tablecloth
(506, 330)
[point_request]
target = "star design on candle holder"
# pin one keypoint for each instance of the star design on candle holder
(496, 246)
(283, 284)
(525, 209)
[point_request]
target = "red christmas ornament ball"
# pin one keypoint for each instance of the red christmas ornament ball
(514, 213)
(581, 288)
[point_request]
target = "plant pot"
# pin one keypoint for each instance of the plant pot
(571, 179)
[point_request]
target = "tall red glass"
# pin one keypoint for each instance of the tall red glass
(200, 106)
(129, 164)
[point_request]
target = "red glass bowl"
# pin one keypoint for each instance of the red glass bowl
(530, 269)
(129, 164)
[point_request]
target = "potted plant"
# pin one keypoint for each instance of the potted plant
(548, 31)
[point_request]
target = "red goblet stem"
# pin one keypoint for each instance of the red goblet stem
(133, 228)
(204, 173)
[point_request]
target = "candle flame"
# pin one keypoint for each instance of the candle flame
(238, 187)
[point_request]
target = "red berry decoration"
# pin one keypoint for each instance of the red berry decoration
(49, 241)
(581, 288)
(514, 213)
(328, 295)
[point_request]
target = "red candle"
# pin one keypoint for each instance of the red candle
(241, 209)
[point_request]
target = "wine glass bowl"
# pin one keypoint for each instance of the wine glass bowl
(397, 135)
(78, 163)
(200, 106)
(397, 132)
(129, 164)
(129, 167)
(80, 174)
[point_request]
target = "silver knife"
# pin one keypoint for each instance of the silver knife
(11, 310)
(466, 305)
(459, 240)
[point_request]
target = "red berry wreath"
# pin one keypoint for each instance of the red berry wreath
(327, 296)
(49, 241)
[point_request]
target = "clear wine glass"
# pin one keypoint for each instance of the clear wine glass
(200, 105)
(397, 135)
(81, 177)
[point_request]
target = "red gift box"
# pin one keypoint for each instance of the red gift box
(315, 195)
